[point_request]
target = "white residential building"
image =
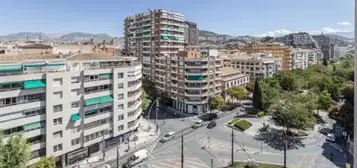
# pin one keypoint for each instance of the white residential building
(66, 107)
(300, 58)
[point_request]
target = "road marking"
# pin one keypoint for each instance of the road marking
(176, 163)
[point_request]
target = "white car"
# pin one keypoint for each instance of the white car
(167, 137)
(197, 124)
(106, 166)
(330, 137)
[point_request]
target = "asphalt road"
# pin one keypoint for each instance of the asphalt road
(217, 147)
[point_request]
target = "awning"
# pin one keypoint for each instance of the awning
(8, 83)
(106, 99)
(165, 37)
(89, 112)
(98, 100)
(92, 101)
(32, 84)
(6, 68)
(195, 77)
(105, 76)
(75, 117)
(34, 65)
(55, 64)
(33, 126)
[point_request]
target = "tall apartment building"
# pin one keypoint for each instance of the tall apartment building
(301, 40)
(327, 46)
(153, 36)
(300, 58)
(277, 50)
(257, 65)
(195, 75)
(191, 33)
(67, 108)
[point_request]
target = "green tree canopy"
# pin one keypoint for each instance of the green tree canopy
(216, 102)
(145, 101)
(257, 96)
(324, 100)
(15, 152)
(44, 162)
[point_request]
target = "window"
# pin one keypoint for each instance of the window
(57, 95)
(57, 108)
(120, 85)
(75, 104)
(120, 117)
(121, 106)
(121, 127)
(131, 124)
(75, 129)
(120, 96)
(75, 141)
(75, 79)
(57, 121)
(57, 134)
(75, 92)
(57, 82)
(120, 75)
(57, 148)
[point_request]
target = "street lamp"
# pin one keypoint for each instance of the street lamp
(103, 142)
(157, 106)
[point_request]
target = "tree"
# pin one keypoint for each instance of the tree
(324, 100)
(145, 101)
(289, 81)
(15, 152)
(230, 92)
(257, 96)
(270, 92)
(324, 62)
(44, 162)
(239, 92)
(215, 102)
(250, 86)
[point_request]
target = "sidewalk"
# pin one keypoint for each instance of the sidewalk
(147, 140)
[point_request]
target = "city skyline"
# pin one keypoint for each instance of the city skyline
(234, 17)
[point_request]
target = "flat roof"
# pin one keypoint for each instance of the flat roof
(226, 71)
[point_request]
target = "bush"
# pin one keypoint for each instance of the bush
(243, 125)
(261, 114)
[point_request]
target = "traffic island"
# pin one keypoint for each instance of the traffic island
(259, 165)
(238, 124)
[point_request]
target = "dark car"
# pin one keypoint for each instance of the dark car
(211, 124)
(208, 116)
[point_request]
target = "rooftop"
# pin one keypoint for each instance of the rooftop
(227, 71)
(49, 57)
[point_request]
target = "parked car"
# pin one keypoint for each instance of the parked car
(106, 166)
(330, 137)
(167, 137)
(197, 124)
(211, 125)
(208, 116)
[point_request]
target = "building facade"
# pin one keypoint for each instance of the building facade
(152, 34)
(277, 50)
(71, 108)
(232, 77)
(301, 40)
(191, 33)
(257, 65)
(300, 58)
(327, 47)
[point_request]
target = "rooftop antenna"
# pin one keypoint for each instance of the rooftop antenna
(27, 37)
(40, 39)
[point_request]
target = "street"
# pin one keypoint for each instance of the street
(203, 145)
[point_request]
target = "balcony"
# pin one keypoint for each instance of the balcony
(196, 87)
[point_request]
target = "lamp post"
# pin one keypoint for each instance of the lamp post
(103, 142)
(157, 106)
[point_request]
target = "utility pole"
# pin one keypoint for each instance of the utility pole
(157, 109)
(118, 156)
(285, 148)
(182, 157)
(209, 142)
(211, 163)
(232, 150)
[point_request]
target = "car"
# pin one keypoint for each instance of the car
(106, 166)
(211, 125)
(330, 137)
(197, 124)
(208, 116)
(167, 137)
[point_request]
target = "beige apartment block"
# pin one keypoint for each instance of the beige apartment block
(232, 77)
(256, 65)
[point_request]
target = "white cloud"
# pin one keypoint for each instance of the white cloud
(324, 30)
(344, 23)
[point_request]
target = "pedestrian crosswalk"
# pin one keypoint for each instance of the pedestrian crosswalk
(176, 163)
(214, 144)
(150, 147)
(171, 151)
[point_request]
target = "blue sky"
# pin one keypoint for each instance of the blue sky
(234, 17)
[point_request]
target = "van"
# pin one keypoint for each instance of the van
(197, 124)
(136, 158)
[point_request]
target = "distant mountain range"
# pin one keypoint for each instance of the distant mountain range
(74, 36)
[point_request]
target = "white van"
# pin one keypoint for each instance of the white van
(167, 137)
(137, 158)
